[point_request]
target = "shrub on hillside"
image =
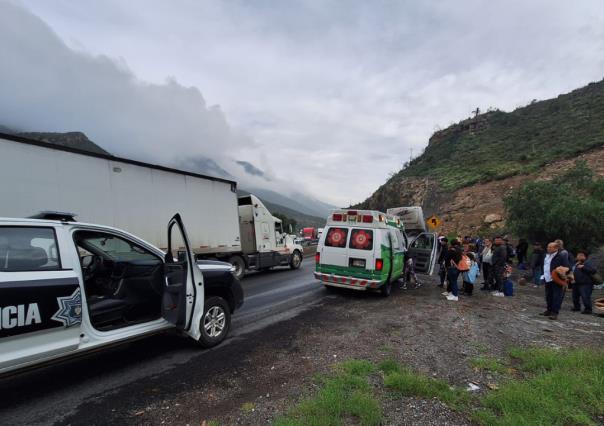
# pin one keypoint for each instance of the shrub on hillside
(569, 207)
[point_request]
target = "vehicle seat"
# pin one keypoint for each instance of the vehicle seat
(26, 258)
(106, 311)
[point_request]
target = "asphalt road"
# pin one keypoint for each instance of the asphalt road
(51, 394)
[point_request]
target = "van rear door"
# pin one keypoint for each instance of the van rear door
(335, 251)
(423, 249)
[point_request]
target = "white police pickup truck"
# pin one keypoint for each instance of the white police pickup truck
(68, 287)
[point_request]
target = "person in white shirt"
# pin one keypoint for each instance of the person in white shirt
(554, 294)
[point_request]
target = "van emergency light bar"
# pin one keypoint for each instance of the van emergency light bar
(372, 217)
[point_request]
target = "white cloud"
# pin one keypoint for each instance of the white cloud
(334, 93)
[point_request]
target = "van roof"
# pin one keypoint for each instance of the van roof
(364, 218)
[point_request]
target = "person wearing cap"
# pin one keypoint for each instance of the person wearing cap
(554, 293)
(583, 285)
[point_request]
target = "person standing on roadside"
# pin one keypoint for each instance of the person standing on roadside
(554, 293)
(442, 252)
(499, 260)
(583, 285)
(486, 262)
(536, 263)
(521, 251)
(565, 254)
(452, 259)
(510, 252)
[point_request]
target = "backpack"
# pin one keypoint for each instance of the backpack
(464, 264)
(596, 279)
(470, 276)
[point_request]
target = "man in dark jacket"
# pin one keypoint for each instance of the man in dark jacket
(536, 263)
(554, 293)
(498, 261)
(452, 258)
(442, 252)
(583, 285)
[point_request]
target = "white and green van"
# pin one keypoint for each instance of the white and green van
(367, 249)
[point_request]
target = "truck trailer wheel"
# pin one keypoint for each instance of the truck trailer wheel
(215, 322)
(239, 264)
(296, 260)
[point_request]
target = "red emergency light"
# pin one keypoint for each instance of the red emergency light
(379, 264)
(337, 217)
(367, 218)
(352, 213)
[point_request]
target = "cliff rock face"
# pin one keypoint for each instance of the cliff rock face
(475, 208)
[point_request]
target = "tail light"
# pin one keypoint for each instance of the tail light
(379, 264)
(317, 257)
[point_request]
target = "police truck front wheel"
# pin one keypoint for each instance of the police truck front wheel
(215, 322)
(296, 260)
(239, 264)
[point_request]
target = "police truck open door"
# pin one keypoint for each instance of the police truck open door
(183, 298)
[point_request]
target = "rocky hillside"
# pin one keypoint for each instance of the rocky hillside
(467, 169)
(76, 140)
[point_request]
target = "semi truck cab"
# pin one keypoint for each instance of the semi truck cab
(264, 245)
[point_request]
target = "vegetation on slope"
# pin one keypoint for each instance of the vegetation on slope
(497, 144)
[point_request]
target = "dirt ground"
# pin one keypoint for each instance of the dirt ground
(258, 377)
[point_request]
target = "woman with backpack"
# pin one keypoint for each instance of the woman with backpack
(452, 259)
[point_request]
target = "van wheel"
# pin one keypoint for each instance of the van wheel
(215, 322)
(386, 289)
(239, 265)
(296, 260)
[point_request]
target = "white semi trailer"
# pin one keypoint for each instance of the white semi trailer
(141, 198)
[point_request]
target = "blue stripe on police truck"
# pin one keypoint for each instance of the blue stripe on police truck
(27, 306)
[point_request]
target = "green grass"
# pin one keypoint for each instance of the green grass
(559, 388)
(405, 382)
(484, 362)
(343, 395)
(548, 387)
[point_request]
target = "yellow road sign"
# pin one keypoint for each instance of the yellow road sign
(434, 222)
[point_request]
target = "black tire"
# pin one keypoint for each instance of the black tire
(386, 289)
(239, 264)
(296, 260)
(211, 332)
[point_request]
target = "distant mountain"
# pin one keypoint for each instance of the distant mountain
(252, 170)
(303, 220)
(297, 201)
(75, 140)
(205, 166)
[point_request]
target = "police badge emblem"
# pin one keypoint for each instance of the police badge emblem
(70, 309)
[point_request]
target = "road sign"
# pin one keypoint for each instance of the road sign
(434, 222)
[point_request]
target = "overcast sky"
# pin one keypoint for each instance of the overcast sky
(330, 96)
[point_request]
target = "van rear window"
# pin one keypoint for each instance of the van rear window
(336, 237)
(361, 239)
